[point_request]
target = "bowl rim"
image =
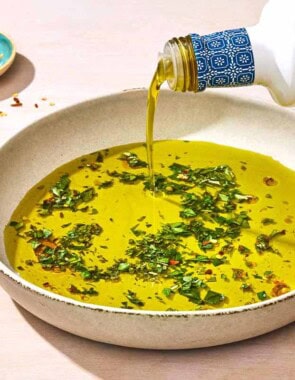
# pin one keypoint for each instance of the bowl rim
(38, 291)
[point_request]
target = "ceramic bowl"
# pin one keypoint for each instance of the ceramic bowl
(7, 53)
(120, 119)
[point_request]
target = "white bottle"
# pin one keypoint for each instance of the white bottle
(273, 44)
(263, 54)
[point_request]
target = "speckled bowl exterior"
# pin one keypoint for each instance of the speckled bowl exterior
(120, 119)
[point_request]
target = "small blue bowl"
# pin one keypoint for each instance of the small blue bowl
(7, 53)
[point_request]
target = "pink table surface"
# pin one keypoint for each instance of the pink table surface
(69, 51)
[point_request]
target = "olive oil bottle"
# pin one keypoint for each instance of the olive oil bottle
(261, 54)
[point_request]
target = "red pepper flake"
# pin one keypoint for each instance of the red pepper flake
(269, 181)
(208, 271)
(17, 102)
(49, 201)
(206, 242)
(252, 200)
(173, 262)
(279, 288)
(39, 250)
(48, 243)
(48, 285)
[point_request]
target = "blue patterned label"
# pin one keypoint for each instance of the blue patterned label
(224, 59)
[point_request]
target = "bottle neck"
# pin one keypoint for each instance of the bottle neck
(180, 65)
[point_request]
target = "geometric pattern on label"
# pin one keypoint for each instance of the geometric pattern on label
(224, 59)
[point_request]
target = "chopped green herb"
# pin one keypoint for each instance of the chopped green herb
(257, 276)
(190, 288)
(262, 243)
(126, 177)
(262, 296)
(243, 250)
(89, 292)
(17, 225)
(268, 273)
(93, 166)
(80, 237)
(167, 292)
(137, 232)
(123, 267)
(65, 225)
(267, 221)
(99, 157)
(131, 296)
(246, 287)
(213, 298)
(132, 160)
(212, 279)
(106, 184)
(163, 184)
(218, 176)
(62, 197)
(124, 305)
(224, 277)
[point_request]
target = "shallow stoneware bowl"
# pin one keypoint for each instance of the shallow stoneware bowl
(120, 119)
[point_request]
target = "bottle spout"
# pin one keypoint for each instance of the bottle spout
(179, 64)
(166, 67)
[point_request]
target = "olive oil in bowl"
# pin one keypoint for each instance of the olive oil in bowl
(218, 233)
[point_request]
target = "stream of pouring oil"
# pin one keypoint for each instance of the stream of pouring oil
(153, 93)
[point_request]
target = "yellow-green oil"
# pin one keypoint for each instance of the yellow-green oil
(121, 207)
(153, 93)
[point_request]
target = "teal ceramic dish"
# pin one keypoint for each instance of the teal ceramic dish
(7, 53)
